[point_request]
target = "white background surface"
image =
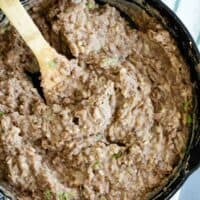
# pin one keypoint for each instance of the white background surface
(189, 13)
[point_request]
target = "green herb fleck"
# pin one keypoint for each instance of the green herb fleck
(186, 105)
(64, 196)
(117, 155)
(48, 195)
(189, 119)
(1, 113)
(52, 63)
(96, 165)
(90, 5)
(99, 136)
(133, 18)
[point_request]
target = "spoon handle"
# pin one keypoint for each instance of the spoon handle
(20, 19)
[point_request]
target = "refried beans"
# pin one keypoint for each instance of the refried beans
(119, 127)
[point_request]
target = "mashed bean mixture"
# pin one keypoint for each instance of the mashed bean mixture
(119, 126)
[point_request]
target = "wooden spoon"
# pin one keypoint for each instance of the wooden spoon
(44, 53)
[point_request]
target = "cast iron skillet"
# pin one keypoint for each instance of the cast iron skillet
(155, 8)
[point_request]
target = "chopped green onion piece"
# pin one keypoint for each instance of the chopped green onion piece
(189, 119)
(1, 113)
(117, 155)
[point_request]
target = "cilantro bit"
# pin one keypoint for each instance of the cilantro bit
(99, 136)
(96, 165)
(52, 63)
(186, 105)
(90, 5)
(1, 113)
(117, 155)
(48, 195)
(64, 196)
(189, 119)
